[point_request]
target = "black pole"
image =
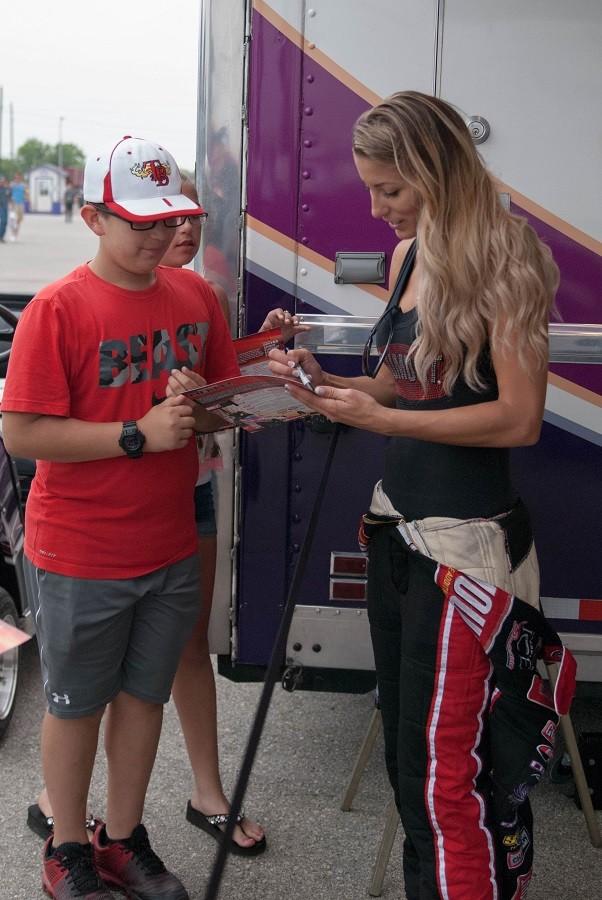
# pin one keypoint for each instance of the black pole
(272, 675)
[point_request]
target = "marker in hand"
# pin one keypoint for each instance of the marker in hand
(304, 378)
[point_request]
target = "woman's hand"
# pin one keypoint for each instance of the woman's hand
(283, 363)
(286, 321)
(183, 380)
(346, 405)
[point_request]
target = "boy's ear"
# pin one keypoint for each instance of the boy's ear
(93, 219)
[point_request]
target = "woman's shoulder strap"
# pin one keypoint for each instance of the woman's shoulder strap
(405, 271)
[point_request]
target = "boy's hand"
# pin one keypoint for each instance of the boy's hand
(183, 380)
(286, 321)
(167, 426)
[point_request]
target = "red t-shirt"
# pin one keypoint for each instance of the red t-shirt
(87, 349)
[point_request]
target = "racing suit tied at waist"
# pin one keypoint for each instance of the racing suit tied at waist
(522, 713)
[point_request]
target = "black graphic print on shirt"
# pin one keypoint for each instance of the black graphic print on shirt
(144, 357)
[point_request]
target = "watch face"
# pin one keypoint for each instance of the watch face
(132, 442)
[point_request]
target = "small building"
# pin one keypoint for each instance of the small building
(46, 188)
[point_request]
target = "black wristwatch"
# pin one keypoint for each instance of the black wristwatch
(132, 440)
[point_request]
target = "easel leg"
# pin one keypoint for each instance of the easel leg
(361, 761)
(375, 887)
(568, 733)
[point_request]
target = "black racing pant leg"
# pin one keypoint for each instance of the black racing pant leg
(434, 686)
(387, 585)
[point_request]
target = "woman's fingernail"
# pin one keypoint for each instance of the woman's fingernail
(320, 391)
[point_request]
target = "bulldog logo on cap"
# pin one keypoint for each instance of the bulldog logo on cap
(157, 171)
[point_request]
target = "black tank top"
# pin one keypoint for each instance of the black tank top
(429, 479)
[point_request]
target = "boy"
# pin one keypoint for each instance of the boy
(110, 533)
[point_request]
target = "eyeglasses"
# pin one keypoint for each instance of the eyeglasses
(174, 222)
(370, 368)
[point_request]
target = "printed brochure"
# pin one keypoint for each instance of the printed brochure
(256, 398)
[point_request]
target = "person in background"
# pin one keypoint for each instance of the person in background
(19, 194)
(110, 540)
(5, 195)
(68, 200)
(194, 685)
(459, 377)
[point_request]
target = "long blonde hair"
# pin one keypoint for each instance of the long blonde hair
(485, 275)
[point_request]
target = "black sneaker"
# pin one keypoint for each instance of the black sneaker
(68, 873)
(133, 867)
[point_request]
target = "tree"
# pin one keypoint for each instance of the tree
(9, 168)
(35, 153)
(72, 156)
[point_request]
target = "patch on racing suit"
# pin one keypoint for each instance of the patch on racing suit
(516, 856)
(520, 646)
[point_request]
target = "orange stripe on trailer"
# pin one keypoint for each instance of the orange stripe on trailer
(321, 58)
(590, 610)
(575, 389)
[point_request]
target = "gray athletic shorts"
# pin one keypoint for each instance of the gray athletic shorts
(99, 637)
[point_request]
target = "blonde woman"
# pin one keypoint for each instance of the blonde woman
(458, 378)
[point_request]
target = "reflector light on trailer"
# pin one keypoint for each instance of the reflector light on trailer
(350, 564)
(347, 589)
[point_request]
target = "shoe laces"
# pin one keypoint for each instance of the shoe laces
(144, 854)
(79, 864)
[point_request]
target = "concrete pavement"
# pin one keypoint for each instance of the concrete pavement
(315, 852)
(47, 248)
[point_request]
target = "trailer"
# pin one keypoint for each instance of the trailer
(280, 86)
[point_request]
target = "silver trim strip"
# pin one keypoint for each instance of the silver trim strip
(438, 46)
(221, 133)
(346, 335)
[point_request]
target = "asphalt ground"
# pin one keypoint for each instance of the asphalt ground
(315, 851)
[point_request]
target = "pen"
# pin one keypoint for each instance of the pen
(304, 378)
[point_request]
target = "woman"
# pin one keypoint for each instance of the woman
(459, 377)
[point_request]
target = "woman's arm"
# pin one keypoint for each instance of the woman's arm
(513, 420)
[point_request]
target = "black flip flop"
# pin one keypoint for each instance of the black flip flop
(210, 824)
(44, 825)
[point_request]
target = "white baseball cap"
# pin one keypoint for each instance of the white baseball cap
(139, 181)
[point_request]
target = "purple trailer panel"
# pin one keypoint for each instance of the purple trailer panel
(302, 183)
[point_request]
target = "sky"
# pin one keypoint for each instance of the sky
(106, 69)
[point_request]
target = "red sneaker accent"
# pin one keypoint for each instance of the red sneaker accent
(68, 873)
(134, 867)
